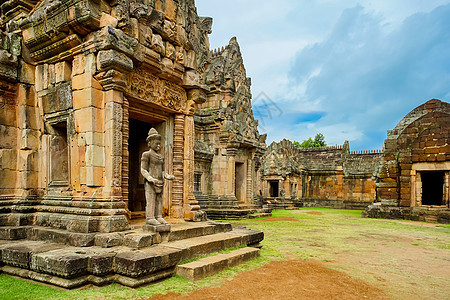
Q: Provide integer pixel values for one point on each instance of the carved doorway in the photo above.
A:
(273, 188)
(136, 146)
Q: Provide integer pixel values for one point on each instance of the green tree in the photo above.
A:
(319, 141)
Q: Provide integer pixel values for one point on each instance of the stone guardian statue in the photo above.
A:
(152, 168)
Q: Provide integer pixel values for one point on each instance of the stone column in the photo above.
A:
(178, 152)
(191, 207)
(249, 197)
(231, 173)
(115, 67)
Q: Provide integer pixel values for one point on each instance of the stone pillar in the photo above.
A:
(249, 197)
(231, 172)
(191, 207)
(114, 67)
(178, 164)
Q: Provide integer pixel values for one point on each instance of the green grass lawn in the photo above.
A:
(339, 238)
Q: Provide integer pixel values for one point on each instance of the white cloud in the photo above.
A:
(377, 61)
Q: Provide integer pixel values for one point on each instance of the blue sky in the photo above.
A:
(348, 69)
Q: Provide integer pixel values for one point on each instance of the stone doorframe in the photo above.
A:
(416, 181)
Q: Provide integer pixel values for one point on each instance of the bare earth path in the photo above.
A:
(287, 280)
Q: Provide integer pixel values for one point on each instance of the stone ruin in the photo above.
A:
(81, 84)
(408, 179)
(228, 146)
(413, 179)
(325, 177)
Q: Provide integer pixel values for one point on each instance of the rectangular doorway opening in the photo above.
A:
(240, 181)
(432, 188)
(136, 146)
(273, 189)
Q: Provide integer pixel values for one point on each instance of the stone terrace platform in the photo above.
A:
(131, 258)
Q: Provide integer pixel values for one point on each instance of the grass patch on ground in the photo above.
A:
(319, 233)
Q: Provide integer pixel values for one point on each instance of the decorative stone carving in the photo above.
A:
(152, 168)
(48, 30)
(147, 87)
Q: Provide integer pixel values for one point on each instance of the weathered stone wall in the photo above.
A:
(86, 68)
(328, 176)
(420, 142)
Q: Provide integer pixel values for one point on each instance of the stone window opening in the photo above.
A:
(198, 182)
(432, 188)
(59, 155)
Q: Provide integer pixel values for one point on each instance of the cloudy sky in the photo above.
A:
(346, 68)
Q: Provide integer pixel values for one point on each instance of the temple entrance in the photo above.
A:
(273, 188)
(432, 188)
(136, 146)
(240, 181)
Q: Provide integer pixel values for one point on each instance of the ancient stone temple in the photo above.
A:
(91, 80)
(415, 167)
(325, 177)
(81, 84)
(228, 146)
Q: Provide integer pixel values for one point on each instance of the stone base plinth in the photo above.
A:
(157, 228)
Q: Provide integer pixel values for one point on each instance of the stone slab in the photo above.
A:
(13, 233)
(65, 263)
(212, 265)
(203, 245)
(136, 282)
(19, 254)
(139, 240)
(186, 231)
(144, 262)
(154, 229)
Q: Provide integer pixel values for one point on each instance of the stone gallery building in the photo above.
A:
(325, 177)
(228, 146)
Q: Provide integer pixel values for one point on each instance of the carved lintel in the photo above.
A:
(147, 87)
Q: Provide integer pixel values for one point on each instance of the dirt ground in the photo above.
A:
(287, 280)
(365, 261)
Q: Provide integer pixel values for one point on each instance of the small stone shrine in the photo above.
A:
(413, 180)
(228, 146)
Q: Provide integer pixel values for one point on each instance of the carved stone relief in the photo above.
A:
(148, 87)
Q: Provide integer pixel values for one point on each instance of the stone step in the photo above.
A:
(13, 233)
(136, 238)
(199, 246)
(214, 264)
(69, 266)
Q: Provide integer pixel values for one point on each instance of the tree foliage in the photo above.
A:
(318, 141)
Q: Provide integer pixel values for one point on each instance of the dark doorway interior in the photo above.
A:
(136, 146)
(432, 188)
(273, 189)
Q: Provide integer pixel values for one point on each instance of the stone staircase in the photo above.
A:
(211, 265)
(219, 208)
(131, 258)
